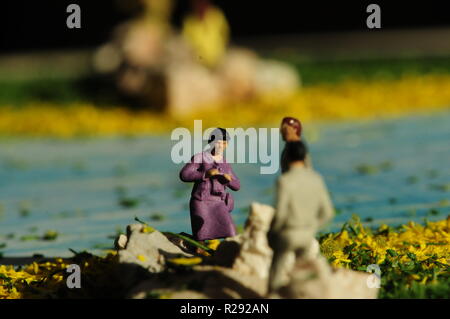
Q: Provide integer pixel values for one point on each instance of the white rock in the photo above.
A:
(121, 242)
(275, 76)
(190, 86)
(237, 73)
(315, 279)
(249, 253)
(255, 255)
(148, 250)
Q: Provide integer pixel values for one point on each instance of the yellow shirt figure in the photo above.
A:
(207, 35)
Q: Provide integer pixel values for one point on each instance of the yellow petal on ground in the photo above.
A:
(185, 261)
(147, 229)
(141, 258)
(213, 244)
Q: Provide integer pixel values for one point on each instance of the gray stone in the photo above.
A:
(144, 253)
(148, 249)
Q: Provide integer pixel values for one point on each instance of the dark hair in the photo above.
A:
(293, 122)
(218, 134)
(295, 151)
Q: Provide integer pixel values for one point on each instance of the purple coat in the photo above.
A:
(210, 204)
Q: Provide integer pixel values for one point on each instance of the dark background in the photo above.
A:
(35, 25)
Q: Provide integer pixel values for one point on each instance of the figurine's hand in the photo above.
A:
(212, 172)
(228, 177)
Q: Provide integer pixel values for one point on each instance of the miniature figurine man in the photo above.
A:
(210, 203)
(303, 206)
(291, 131)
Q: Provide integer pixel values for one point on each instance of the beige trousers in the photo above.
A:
(285, 253)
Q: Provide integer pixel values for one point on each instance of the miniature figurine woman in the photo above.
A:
(210, 203)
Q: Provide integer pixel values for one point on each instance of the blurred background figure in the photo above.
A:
(137, 51)
(207, 32)
(180, 71)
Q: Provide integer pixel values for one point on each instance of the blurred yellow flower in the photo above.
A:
(421, 241)
(345, 100)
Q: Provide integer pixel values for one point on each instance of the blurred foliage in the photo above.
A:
(345, 100)
(333, 71)
(100, 90)
(58, 89)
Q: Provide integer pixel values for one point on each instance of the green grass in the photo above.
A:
(65, 90)
(440, 290)
(31, 90)
(333, 71)
(58, 89)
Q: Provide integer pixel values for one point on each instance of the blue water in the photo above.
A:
(71, 186)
